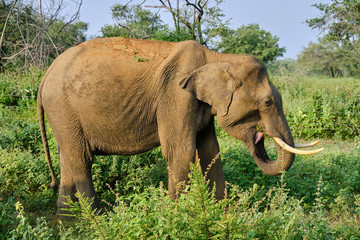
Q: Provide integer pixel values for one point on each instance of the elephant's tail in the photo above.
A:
(54, 181)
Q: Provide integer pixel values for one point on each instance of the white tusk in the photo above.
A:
(305, 145)
(294, 150)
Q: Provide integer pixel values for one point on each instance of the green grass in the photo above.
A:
(319, 198)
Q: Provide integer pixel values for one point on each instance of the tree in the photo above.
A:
(282, 67)
(35, 33)
(132, 21)
(340, 20)
(250, 39)
(323, 57)
(328, 57)
(199, 20)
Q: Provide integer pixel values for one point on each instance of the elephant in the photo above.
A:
(122, 96)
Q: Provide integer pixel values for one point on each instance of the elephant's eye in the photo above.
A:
(269, 102)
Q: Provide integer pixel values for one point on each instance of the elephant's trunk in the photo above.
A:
(284, 158)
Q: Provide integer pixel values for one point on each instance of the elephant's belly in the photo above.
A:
(116, 121)
(123, 140)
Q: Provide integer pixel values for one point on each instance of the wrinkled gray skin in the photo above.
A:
(124, 96)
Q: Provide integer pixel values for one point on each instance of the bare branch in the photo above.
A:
(169, 8)
(194, 5)
(72, 19)
(47, 34)
(199, 8)
(141, 3)
(147, 37)
(128, 2)
(54, 16)
(6, 21)
(16, 54)
(40, 10)
(169, 4)
(158, 7)
(128, 29)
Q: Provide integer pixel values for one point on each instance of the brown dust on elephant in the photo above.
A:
(124, 96)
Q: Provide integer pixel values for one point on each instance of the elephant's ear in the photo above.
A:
(212, 84)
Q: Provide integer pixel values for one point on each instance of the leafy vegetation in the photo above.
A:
(340, 17)
(317, 199)
(321, 107)
(250, 39)
(132, 21)
(34, 33)
(137, 22)
(197, 215)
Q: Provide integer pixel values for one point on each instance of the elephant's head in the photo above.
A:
(247, 106)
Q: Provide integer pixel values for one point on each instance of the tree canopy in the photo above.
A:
(340, 18)
(324, 56)
(201, 21)
(132, 21)
(338, 52)
(251, 39)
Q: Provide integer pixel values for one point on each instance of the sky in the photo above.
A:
(282, 18)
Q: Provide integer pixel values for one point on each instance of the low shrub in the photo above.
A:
(23, 135)
(25, 176)
(24, 230)
(198, 215)
(340, 171)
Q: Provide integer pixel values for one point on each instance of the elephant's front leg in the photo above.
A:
(209, 156)
(179, 149)
(178, 169)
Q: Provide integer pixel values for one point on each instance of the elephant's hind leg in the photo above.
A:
(67, 187)
(75, 164)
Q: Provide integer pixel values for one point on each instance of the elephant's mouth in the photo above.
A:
(258, 137)
(259, 146)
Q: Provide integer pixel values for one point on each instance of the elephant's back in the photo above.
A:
(120, 59)
(148, 49)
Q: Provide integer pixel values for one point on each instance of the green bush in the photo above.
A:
(25, 176)
(340, 171)
(198, 215)
(24, 230)
(24, 135)
(7, 218)
(18, 89)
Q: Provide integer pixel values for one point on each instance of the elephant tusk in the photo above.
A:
(294, 150)
(297, 145)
